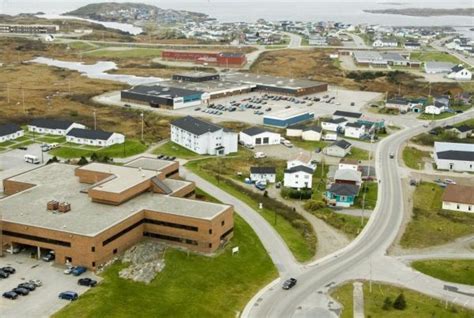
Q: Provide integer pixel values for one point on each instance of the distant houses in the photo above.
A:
(462, 132)
(202, 137)
(311, 133)
(458, 198)
(91, 137)
(10, 132)
(52, 126)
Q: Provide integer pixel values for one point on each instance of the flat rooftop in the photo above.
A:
(267, 80)
(149, 163)
(57, 182)
(211, 87)
(162, 91)
(286, 113)
(196, 74)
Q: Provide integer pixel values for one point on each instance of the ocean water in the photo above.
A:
(304, 10)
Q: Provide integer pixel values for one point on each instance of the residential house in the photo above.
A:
(294, 131)
(400, 104)
(460, 73)
(438, 67)
(202, 137)
(313, 133)
(97, 138)
(266, 174)
(454, 156)
(346, 163)
(301, 159)
(349, 176)
(52, 126)
(350, 116)
(436, 109)
(334, 124)
(462, 132)
(339, 149)
(458, 198)
(355, 130)
(342, 194)
(298, 177)
(256, 136)
(10, 132)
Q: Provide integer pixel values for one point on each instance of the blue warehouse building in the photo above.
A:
(287, 117)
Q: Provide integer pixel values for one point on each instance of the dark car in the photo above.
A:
(21, 291)
(79, 270)
(28, 286)
(8, 269)
(68, 295)
(10, 295)
(459, 112)
(289, 283)
(4, 274)
(23, 148)
(49, 257)
(87, 282)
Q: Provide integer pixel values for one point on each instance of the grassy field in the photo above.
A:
(358, 154)
(434, 56)
(370, 189)
(418, 305)
(308, 145)
(456, 271)
(189, 286)
(302, 245)
(436, 117)
(430, 225)
(350, 225)
(413, 158)
(131, 147)
(124, 53)
(172, 149)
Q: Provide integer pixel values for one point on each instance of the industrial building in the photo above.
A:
(287, 117)
(87, 215)
(454, 156)
(221, 59)
(29, 28)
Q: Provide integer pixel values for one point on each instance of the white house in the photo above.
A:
(458, 198)
(294, 131)
(202, 137)
(454, 156)
(256, 136)
(298, 177)
(349, 164)
(301, 159)
(355, 130)
(312, 133)
(400, 104)
(460, 73)
(267, 174)
(436, 109)
(53, 127)
(334, 124)
(91, 137)
(10, 132)
(349, 116)
(384, 43)
(339, 149)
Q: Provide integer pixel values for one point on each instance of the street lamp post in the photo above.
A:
(141, 115)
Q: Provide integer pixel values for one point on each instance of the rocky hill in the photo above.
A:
(426, 12)
(135, 13)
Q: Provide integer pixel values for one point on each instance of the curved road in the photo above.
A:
(372, 243)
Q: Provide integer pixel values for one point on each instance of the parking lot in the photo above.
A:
(339, 99)
(43, 301)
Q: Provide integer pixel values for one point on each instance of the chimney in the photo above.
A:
(52, 205)
(64, 207)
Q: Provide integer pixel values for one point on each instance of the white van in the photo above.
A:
(259, 155)
(32, 159)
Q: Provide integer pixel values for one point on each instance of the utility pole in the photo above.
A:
(141, 115)
(95, 121)
(23, 98)
(8, 93)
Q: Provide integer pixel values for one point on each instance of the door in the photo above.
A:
(266, 141)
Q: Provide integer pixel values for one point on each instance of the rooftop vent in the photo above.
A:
(64, 207)
(52, 205)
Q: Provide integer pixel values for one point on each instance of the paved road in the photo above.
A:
(358, 41)
(438, 46)
(365, 256)
(295, 40)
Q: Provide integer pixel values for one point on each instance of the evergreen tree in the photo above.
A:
(400, 303)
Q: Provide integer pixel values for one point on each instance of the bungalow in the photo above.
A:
(256, 136)
(454, 156)
(53, 127)
(339, 149)
(295, 131)
(267, 174)
(438, 67)
(355, 130)
(458, 198)
(462, 132)
(98, 138)
(410, 45)
(349, 164)
(436, 109)
(298, 177)
(348, 176)
(342, 194)
(312, 133)
(334, 124)
(460, 73)
(400, 104)
(350, 116)
(10, 132)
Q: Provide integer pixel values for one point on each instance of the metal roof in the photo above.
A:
(195, 126)
(89, 134)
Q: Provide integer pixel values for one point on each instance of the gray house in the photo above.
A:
(339, 149)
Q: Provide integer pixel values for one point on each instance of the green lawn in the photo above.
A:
(430, 225)
(434, 56)
(418, 305)
(189, 286)
(358, 154)
(175, 150)
(308, 145)
(456, 271)
(22, 144)
(350, 225)
(80, 45)
(370, 189)
(51, 139)
(7, 143)
(125, 53)
(435, 117)
(131, 147)
(302, 247)
(413, 158)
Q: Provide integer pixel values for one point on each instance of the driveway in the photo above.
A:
(44, 301)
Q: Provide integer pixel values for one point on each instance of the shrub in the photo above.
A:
(400, 303)
(83, 161)
(387, 303)
(314, 205)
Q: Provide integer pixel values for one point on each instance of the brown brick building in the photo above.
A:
(111, 208)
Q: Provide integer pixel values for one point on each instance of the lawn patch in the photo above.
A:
(413, 158)
(131, 147)
(358, 154)
(456, 271)
(173, 149)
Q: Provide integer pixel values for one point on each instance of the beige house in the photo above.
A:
(459, 198)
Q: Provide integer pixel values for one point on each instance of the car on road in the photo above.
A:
(289, 283)
(261, 185)
(68, 295)
(21, 291)
(89, 282)
(392, 155)
(28, 286)
(10, 295)
(78, 270)
(8, 269)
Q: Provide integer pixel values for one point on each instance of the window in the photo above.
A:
(210, 231)
(210, 245)
(222, 223)
(37, 238)
(93, 249)
(458, 207)
(115, 251)
(93, 264)
(170, 238)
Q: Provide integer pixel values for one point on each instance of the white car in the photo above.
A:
(259, 155)
(287, 143)
(69, 270)
(449, 181)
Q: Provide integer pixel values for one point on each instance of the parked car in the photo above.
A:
(69, 270)
(14, 250)
(78, 270)
(287, 143)
(49, 257)
(68, 295)
(10, 295)
(449, 181)
(23, 148)
(259, 155)
(260, 185)
(21, 291)
(289, 283)
(4, 274)
(8, 269)
(87, 282)
(28, 286)
(36, 282)
(392, 155)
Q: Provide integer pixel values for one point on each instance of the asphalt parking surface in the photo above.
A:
(43, 301)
